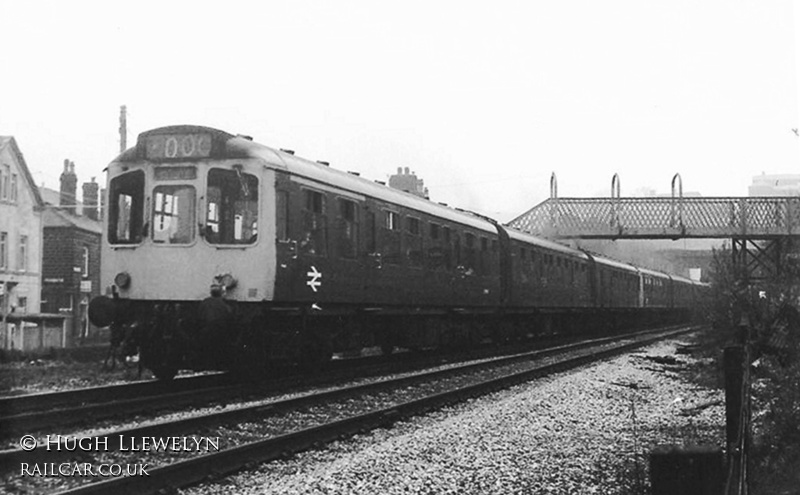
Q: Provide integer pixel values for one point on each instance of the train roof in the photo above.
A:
(245, 147)
(354, 184)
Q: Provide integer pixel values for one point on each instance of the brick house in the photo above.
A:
(20, 242)
(71, 259)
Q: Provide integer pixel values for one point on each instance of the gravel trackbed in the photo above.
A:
(580, 432)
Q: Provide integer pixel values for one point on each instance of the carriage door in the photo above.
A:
(303, 253)
(286, 247)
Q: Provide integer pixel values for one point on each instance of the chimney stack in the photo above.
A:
(90, 190)
(69, 186)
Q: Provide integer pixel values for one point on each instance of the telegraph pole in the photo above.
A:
(123, 128)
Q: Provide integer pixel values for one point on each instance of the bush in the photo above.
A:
(770, 308)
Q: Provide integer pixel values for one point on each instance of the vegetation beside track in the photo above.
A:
(772, 308)
(59, 369)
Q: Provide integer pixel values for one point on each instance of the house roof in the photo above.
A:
(11, 143)
(53, 217)
(53, 197)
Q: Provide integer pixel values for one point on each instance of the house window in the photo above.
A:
(14, 188)
(3, 249)
(6, 176)
(22, 261)
(85, 262)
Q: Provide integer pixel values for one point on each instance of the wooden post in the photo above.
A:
(733, 360)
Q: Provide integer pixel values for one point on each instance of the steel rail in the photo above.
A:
(20, 404)
(39, 412)
(213, 465)
(112, 440)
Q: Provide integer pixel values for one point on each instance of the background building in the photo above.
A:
(407, 181)
(20, 243)
(71, 260)
(775, 185)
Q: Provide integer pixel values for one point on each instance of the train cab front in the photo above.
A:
(181, 244)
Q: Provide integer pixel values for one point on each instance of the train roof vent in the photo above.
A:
(322, 162)
(443, 204)
(357, 174)
(381, 182)
(291, 152)
(249, 138)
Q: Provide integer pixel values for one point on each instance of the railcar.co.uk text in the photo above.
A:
(64, 443)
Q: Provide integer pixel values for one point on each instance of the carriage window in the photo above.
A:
(469, 240)
(438, 257)
(315, 224)
(434, 231)
(348, 241)
(392, 221)
(470, 257)
(282, 215)
(457, 250)
(483, 257)
(390, 238)
(414, 242)
(231, 207)
(412, 225)
(371, 234)
(126, 200)
(173, 214)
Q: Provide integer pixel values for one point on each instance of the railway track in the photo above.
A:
(34, 412)
(345, 411)
(43, 412)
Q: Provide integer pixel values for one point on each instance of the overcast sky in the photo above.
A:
(483, 100)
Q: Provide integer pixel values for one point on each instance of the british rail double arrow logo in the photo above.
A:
(315, 276)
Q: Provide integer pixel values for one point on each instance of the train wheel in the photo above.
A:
(386, 341)
(165, 373)
(317, 351)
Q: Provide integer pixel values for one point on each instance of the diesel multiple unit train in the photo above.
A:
(307, 261)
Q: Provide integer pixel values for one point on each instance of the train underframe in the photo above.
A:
(170, 335)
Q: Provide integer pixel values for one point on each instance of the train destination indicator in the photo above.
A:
(175, 173)
(176, 146)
